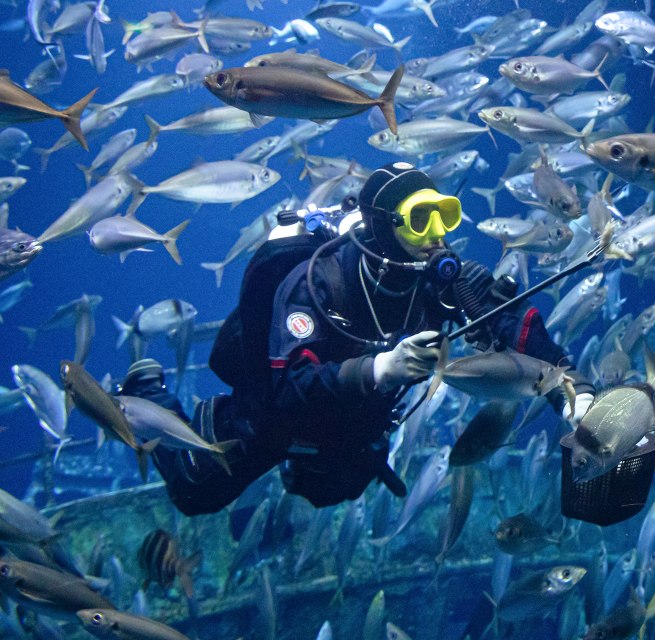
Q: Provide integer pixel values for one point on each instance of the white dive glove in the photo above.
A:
(582, 403)
(411, 359)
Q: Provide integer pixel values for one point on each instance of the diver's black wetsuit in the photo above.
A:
(318, 410)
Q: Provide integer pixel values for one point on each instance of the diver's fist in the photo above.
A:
(412, 359)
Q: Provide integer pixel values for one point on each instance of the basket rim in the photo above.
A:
(647, 447)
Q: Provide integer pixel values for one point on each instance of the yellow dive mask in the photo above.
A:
(427, 216)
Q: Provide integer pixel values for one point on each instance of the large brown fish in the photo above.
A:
(93, 401)
(18, 105)
(294, 93)
(47, 591)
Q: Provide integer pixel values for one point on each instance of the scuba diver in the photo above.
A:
(319, 354)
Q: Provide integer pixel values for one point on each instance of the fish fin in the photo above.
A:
(154, 126)
(202, 39)
(387, 99)
(586, 132)
(71, 118)
(171, 243)
(45, 157)
(224, 445)
(142, 456)
(124, 329)
(100, 438)
(258, 120)
(217, 268)
(598, 74)
(4, 216)
(184, 569)
(31, 334)
(437, 376)
(59, 447)
(88, 174)
(489, 195)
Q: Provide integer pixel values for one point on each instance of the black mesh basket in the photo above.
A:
(613, 497)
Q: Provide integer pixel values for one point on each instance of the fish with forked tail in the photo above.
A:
(93, 401)
(294, 93)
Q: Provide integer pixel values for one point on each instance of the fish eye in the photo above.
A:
(262, 63)
(498, 114)
(566, 573)
(383, 137)
(97, 618)
(5, 570)
(617, 150)
(266, 175)
(518, 66)
(20, 246)
(221, 78)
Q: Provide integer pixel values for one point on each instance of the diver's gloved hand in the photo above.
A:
(411, 359)
(582, 403)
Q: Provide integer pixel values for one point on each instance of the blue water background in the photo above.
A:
(68, 268)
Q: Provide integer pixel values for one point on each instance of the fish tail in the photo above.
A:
(217, 268)
(124, 331)
(71, 118)
(489, 195)
(401, 43)
(586, 132)
(62, 442)
(154, 126)
(186, 566)
(387, 99)
(437, 376)
(598, 74)
(88, 174)
(30, 332)
(171, 243)
(224, 445)
(45, 156)
(129, 29)
(142, 452)
(202, 38)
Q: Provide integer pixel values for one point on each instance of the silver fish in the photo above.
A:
(545, 75)
(109, 623)
(631, 27)
(530, 125)
(99, 202)
(615, 422)
(124, 234)
(224, 181)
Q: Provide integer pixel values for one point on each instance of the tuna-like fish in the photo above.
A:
(108, 623)
(521, 535)
(55, 593)
(545, 75)
(93, 401)
(224, 181)
(293, 93)
(149, 420)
